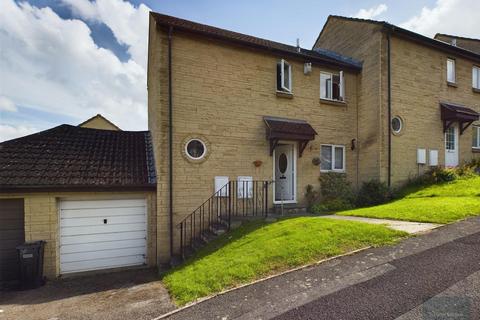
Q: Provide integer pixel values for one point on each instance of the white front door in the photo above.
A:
(102, 234)
(451, 146)
(284, 173)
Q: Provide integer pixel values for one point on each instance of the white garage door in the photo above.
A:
(101, 234)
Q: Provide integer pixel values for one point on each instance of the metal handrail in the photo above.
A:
(234, 199)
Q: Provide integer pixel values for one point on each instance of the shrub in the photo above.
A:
(438, 175)
(373, 192)
(330, 206)
(335, 186)
(311, 196)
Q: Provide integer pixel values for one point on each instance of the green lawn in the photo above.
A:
(442, 203)
(258, 249)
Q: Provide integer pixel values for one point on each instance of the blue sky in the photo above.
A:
(64, 61)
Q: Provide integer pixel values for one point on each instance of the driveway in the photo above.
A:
(134, 294)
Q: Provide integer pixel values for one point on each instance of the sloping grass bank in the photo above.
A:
(441, 203)
(258, 249)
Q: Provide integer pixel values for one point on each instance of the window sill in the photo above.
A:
(476, 150)
(452, 84)
(284, 94)
(333, 102)
(332, 171)
(476, 90)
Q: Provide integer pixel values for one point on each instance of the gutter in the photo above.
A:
(170, 139)
(389, 88)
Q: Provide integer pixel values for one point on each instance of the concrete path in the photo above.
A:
(378, 283)
(406, 226)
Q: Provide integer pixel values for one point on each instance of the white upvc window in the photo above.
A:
(284, 76)
(476, 137)
(332, 158)
(476, 77)
(451, 70)
(332, 86)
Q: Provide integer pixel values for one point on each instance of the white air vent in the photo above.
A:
(421, 156)
(433, 158)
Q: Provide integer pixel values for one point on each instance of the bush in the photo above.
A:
(438, 175)
(311, 196)
(335, 186)
(373, 192)
(331, 206)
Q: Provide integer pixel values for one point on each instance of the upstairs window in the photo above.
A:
(451, 70)
(476, 77)
(476, 137)
(332, 86)
(284, 76)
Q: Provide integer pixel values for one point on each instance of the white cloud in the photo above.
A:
(7, 105)
(457, 17)
(53, 65)
(128, 24)
(8, 132)
(372, 12)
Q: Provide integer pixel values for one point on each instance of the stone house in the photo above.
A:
(238, 126)
(369, 100)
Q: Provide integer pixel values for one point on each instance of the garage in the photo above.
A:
(12, 234)
(102, 234)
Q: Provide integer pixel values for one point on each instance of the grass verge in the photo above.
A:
(441, 203)
(258, 249)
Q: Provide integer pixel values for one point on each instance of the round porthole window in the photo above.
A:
(195, 149)
(397, 125)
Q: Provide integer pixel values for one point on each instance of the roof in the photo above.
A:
(412, 36)
(282, 128)
(462, 42)
(456, 111)
(86, 123)
(257, 43)
(454, 37)
(75, 158)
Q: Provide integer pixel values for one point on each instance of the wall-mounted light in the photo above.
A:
(353, 144)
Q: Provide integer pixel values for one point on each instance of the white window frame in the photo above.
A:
(454, 74)
(341, 85)
(476, 72)
(204, 149)
(284, 63)
(334, 146)
(476, 128)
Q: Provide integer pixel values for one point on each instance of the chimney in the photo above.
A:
(298, 45)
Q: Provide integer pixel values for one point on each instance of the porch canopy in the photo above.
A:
(452, 113)
(288, 129)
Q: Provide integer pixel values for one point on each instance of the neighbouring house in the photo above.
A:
(462, 42)
(370, 100)
(89, 193)
(419, 98)
(99, 122)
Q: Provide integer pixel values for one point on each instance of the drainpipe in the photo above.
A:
(170, 139)
(389, 88)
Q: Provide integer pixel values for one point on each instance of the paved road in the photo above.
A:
(413, 280)
(436, 270)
